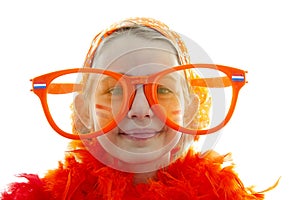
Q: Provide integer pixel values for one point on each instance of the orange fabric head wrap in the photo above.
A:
(148, 22)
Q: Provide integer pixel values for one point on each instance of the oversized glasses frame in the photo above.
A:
(233, 77)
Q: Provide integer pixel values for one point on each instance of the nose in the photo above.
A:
(140, 108)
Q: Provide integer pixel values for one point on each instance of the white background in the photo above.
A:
(262, 37)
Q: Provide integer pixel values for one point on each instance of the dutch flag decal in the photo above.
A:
(238, 77)
(39, 85)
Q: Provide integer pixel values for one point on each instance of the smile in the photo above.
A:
(140, 134)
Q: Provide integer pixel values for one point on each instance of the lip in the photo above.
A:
(140, 134)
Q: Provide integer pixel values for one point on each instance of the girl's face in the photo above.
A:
(140, 137)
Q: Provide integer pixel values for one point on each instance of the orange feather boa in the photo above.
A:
(195, 176)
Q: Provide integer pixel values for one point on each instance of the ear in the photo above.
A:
(191, 109)
(82, 121)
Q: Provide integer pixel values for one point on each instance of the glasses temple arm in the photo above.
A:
(217, 82)
(63, 88)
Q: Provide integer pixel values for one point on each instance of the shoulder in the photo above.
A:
(208, 175)
(31, 189)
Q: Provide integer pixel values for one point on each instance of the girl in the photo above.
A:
(138, 106)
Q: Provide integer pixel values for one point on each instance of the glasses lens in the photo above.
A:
(84, 102)
(195, 99)
(107, 96)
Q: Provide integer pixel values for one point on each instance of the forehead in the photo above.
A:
(129, 53)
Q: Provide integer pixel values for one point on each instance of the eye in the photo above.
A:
(116, 91)
(163, 90)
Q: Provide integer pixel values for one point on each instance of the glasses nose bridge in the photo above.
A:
(136, 85)
(139, 107)
(138, 80)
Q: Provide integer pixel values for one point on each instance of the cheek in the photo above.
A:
(106, 112)
(170, 135)
(113, 135)
(173, 108)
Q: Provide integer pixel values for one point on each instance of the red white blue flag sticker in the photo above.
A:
(238, 77)
(39, 85)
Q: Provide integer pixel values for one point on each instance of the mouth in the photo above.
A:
(140, 134)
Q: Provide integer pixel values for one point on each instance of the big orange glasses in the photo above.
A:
(194, 99)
